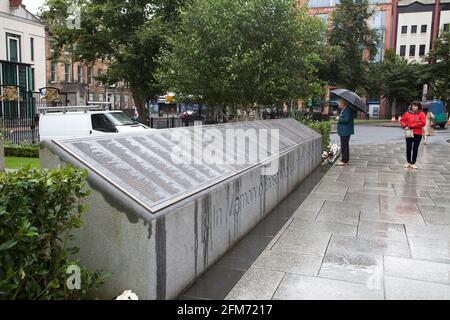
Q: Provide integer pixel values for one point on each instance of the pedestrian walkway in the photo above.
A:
(372, 230)
(218, 280)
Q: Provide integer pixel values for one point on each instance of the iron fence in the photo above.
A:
(20, 130)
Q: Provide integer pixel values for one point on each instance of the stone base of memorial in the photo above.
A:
(156, 225)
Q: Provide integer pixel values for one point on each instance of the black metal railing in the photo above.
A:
(20, 130)
(169, 121)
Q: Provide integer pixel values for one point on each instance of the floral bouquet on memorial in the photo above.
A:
(331, 154)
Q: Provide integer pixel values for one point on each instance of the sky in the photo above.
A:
(33, 5)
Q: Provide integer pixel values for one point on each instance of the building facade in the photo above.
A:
(22, 58)
(407, 26)
(77, 82)
(381, 19)
(417, 24)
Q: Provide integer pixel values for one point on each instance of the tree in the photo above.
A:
(438, 71)
(128, 35)
(358, 43)
(243, 53)
(396, 80)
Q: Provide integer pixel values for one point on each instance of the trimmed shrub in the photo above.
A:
(24, 150)
(38, 211)
(21, 152)
(324, 128)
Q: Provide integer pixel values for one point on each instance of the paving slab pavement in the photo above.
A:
(371, 230)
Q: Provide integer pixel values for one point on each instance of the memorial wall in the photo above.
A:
(169, 203)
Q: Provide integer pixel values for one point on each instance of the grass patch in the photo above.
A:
(17, 163)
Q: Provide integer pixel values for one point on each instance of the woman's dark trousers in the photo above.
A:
(412, 148)
(345, 148)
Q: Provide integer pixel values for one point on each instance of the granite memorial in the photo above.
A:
(156, 224)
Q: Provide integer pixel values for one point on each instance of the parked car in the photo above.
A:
(438, 109)
(65, 122)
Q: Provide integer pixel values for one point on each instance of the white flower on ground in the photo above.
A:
(128, 295)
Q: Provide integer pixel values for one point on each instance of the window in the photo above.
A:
(412, 51)
(91, 97)
(404, 29)
(53, 72)
(422, 50)
(13, 47)
(414, 29)
(101, 123)
(117, 102)
(119, 119)
(89, 76)
(100, 73)
(447, 27)
(126, 101)
(67, 73)
(80, 74)
(402, 51)
(322, 3)
(32, 48)
(423, 29)
(33, 79)
(323, 16)
(100, 98)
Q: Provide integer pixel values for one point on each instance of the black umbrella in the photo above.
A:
(355, 101)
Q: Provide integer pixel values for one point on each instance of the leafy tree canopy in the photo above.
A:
(357, 42)
(127, 34)
(243, 53)
(396, 79)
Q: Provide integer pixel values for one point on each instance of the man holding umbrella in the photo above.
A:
(349, 103)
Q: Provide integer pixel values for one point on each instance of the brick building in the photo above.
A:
(22, 59)
(407, 26)
(77, 81)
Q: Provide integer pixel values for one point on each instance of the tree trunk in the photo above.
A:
(139, 102)
(394, 107)
(211, 114)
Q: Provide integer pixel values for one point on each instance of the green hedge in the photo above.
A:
(22, 151)
(38, 211)
(324, 128)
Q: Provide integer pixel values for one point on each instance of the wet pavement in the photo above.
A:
(370, 134)
(218, 280)
(371, 230)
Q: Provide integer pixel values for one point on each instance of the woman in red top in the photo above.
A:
(414, 119)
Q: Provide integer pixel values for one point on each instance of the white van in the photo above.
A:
(69, 122)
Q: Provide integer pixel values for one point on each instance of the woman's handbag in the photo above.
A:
(409, 133)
